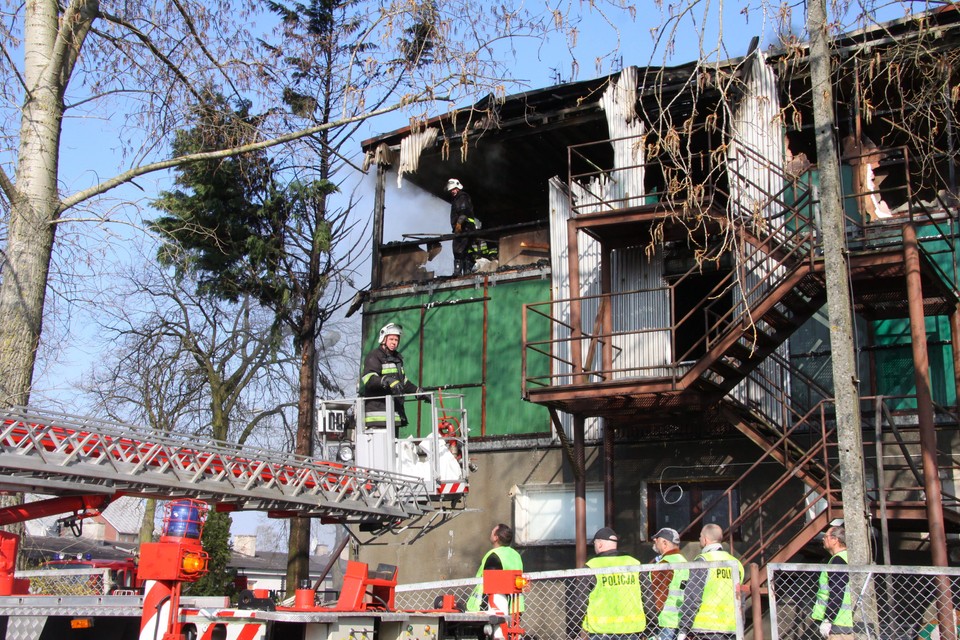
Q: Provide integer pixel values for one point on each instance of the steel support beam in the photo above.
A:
(580, 489)
(921, 375)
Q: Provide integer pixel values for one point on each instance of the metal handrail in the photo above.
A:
(793, 231)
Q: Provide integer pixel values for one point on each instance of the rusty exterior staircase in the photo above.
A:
(778, 284)
(737, 337)
(797, 504)
(769, 309)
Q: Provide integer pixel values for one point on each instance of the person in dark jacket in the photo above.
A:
(833, 609)
(382, 376)
(462, 220)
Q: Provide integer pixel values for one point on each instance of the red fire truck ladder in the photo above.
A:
(61, 454)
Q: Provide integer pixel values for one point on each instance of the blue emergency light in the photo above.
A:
(185, 520)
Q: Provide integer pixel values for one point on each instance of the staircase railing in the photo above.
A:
(807, 452)
(753, 521)
(895, 470)
(771, 252)
(778, 247)
(799, 442)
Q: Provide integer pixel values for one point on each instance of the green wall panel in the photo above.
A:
(895, 363)
(894, 360)
(449, 325)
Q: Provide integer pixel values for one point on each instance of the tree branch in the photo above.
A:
(14, 68)
(191, 27)
(76, 23)
(9, 189)
(129, 175)
(117, 20)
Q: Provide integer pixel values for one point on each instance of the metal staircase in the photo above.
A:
(778, 283)
(804, 497)
(61, 454)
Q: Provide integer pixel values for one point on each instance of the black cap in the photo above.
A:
(668, 534)
(605, 533)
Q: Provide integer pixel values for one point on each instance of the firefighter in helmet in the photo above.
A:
(462, 220)
(383, 376)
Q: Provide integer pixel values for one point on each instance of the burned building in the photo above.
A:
(649, 344)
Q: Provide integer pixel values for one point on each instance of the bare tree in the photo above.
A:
(188, 363)
(146, 63)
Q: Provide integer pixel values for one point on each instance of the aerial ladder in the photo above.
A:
(85, 463)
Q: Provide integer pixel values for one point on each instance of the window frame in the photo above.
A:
(522, 519)
(696, 489)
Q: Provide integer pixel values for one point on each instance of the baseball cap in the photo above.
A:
(605, 533)
(668, 534)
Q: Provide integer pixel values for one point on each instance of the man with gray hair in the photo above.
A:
(710, 601)
(833, 609)
(668, 584)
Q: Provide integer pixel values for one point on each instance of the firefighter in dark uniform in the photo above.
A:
(462, 220)
(382, 376)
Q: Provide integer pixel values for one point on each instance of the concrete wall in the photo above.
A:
(454, 550)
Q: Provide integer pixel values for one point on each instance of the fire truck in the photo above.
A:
(85, 463)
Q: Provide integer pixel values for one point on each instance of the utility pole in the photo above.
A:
(839, 308)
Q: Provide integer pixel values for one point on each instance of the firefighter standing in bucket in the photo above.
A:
(382, 376)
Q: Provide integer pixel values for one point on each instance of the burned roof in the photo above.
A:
(514, 145)
(505, 150)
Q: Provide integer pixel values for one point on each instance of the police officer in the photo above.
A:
(382, 376)
(668, 584)
(462, 220)
(709, 607)
(833, 609)
(615, 605)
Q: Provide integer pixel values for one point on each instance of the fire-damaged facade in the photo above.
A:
(645, 341)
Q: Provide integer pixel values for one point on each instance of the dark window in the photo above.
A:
(679, 504)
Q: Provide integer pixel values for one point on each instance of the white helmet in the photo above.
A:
(453, 183)
(390, 329)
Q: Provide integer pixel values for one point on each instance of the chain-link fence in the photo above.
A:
(889, 603)
(555, 604)
(69, 582)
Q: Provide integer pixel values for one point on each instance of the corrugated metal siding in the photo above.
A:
(757, 152)
(625, 186)
(641, 346)
(643, 311)
(560, 282)
(410, 149)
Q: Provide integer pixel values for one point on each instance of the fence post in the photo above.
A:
(756, 602)
(772, 599)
